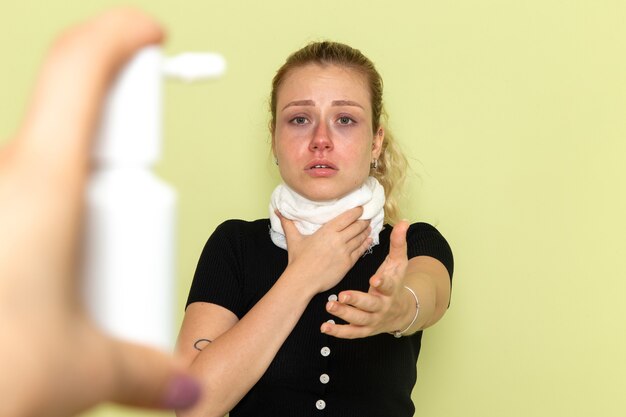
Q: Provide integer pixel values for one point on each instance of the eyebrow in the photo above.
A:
(312, 103)
(346, 103)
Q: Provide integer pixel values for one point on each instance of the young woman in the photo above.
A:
(304, 313)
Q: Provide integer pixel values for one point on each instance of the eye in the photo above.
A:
(299, 120)
(345, 120)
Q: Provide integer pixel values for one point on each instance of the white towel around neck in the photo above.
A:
(309, 215)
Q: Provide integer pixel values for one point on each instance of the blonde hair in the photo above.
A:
(392, 163)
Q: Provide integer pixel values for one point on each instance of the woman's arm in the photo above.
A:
(430, 281)
(242, 350)
(388, 306)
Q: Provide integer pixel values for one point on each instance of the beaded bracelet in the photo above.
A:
(399, 333)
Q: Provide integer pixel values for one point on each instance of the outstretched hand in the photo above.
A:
(53, 360)
(387, 304)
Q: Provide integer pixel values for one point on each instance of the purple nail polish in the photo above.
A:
(182, 392)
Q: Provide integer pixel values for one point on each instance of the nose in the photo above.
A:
(321, 139)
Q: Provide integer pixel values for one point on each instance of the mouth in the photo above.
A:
(321, 165)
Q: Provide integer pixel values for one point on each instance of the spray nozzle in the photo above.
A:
(130, 130)
(192, 66)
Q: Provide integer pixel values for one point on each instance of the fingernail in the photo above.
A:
(323, 328)
(330, 306)
(182, 392)
(344, 298)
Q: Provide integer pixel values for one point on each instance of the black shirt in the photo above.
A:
(314, 374)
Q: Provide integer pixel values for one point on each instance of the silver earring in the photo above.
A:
(374, 164)
(276, 160)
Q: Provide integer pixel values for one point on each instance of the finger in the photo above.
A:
(360, 250)
(397, 245)
(145, 377)
(349, 314)
(356, 228)
(71, 86)
(360, 300)
(357, 241)
(346, 218)
(346, 331)
(384, 285)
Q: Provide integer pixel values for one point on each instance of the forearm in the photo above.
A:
(431, 285)
(230, 365)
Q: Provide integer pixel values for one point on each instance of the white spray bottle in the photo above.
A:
(130, 242)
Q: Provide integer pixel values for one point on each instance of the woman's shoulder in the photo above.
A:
(244, 225)
(423, 227)
(237, 233)
(425, 239)
(235, 229)
(417, 229)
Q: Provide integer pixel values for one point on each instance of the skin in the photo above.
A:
(55, 361)
(324, 116)
(312, 129)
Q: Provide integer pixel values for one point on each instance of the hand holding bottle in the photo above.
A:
(54, 361)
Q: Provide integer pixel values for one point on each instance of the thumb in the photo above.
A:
(291, 231)
(397, 246)
(146, 377)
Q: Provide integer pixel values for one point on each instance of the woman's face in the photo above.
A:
(323, 138)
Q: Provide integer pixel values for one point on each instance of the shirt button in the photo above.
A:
(325, 351)
(332, 297)
(324, 378)
(320, 404)
(331, 321)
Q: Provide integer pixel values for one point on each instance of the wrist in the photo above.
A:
(300, 281)
(414, 310)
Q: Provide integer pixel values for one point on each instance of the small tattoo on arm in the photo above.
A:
(201, 343)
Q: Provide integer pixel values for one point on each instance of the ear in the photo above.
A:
(273, 136)
(377, 143)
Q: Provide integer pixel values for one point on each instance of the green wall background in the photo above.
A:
(512, 114)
